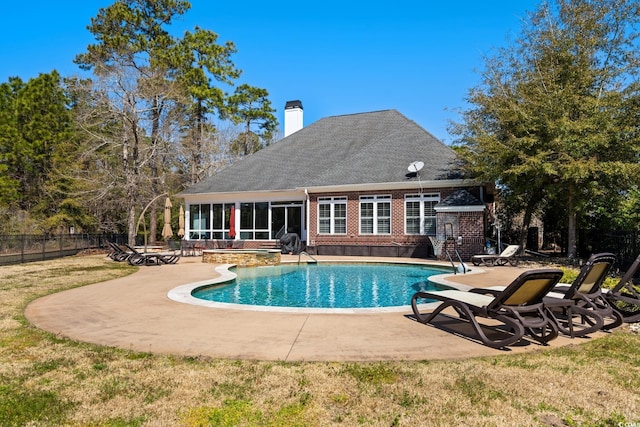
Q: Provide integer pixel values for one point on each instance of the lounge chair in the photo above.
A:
(589, 301)
(151, 258)
(579, 308)
(117, 253)
(139, 258)
(508, 256)
(624, 297)
(519, 307)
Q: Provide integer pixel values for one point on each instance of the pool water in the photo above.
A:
(325, 285)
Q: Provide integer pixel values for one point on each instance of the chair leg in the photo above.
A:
(627, 305)
(516, 330)
(617, 320)
(590, 321)
(597, 303)
(545, 333)
(537, 323)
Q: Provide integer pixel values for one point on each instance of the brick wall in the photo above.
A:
(468, 233)
(470, 225)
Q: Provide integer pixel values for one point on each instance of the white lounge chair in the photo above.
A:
(508, 256)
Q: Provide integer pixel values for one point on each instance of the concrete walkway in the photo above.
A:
(134, 313)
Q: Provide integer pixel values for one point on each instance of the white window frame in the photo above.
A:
(422, 199)
(332, 202)
(375, 201)
(201, 230)
(250, 232)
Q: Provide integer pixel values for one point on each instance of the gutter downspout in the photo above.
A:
(306, 193)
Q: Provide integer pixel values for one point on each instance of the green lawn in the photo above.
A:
(46, 380)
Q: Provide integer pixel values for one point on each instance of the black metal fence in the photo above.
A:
(16, 249)
(625, 244)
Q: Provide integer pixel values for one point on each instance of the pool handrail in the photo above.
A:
(307, 254)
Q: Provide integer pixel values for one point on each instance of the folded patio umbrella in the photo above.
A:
(181, 222)
(167, 232)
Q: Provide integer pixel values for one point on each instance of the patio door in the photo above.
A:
(286, 219)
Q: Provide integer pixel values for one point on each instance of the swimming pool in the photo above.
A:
(324, 285)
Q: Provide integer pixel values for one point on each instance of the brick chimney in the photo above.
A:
(292, 117)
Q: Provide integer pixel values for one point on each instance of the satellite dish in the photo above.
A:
(415, 166)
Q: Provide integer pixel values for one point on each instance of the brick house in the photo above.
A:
(368, 184)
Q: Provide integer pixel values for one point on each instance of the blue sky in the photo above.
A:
(419, 57)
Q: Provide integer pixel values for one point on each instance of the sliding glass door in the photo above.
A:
(286, 218)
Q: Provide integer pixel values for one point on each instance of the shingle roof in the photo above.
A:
(460, 197)
(363, 148)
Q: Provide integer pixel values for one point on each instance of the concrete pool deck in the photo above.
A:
(134, 313)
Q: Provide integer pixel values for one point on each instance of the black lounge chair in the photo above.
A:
(117, 253)
(589, 303)
(508, 256)
(624, 297)
(151, 258)
(579, 309)
(139, 258)
(519, 307)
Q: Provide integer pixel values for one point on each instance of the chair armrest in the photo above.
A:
(485, 291)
